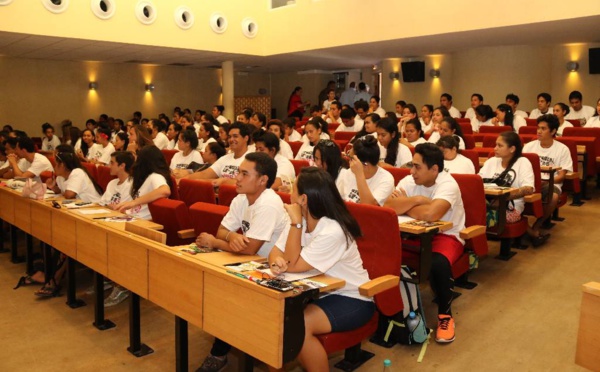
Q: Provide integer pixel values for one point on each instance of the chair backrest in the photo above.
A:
(168, 154)
(295, 146)
(104, 176)
(174, 216)
(494, 129)
(398, 173)
(528, 130)
(299, 164)
(466, 127)
(207, 217)
(341, 144)
(194, 191)
(332, 127)
(473, 156)
(92, 170)
(531, 122)
(174, 188)
(582, 132)
(489, 140)
(226, 194)
(534, 159)
(527, 137)
(473, 197)
(285, 197)
(469, 140)
(576, 123)
(572, 146)
(380, 256)
(52, 160)
(345, 136)
(45, 175)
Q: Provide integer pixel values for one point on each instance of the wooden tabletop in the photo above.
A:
(420, 227)
(497, 190)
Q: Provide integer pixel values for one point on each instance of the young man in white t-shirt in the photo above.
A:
(513, 101)
(217, 113)
(544, 103)
(269, 144)
(432, 194)
(258, 211)
(38, 163)
(333, 115)
(349, 123)
(554, 154)
(446, 101)
(104, 149)
(224, 170)
(476, 100)
(119, 189)
(578, 110)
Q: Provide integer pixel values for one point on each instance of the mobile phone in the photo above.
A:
(55, 204)
(82, 204)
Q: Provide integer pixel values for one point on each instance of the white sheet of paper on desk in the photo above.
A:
(75, 206)
(404, 218)
(94, 211)
(292, 277)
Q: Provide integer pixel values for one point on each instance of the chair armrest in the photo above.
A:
(378, 285)
(472, 231)
(186, 234)
(571, 176)
(533, 197)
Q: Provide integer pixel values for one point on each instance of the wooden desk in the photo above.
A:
(588, 336)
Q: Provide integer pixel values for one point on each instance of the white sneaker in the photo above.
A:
(118, 295)
(92, 289)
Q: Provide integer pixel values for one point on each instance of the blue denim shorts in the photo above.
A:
(345, 313)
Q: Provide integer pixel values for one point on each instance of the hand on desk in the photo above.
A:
(123, 206)
(279, 265)
(205, 240)
(238, 242)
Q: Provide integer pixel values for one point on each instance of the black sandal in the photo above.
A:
(50, 289)
(26, 280)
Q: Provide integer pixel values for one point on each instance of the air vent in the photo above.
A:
(145, 12)
(184, 18)
(54, 6)
(104, 9)
(249, 28)
(218, 23)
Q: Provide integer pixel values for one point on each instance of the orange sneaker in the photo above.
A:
(445, 329)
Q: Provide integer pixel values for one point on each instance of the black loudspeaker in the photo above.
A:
(594, 55)
(413, 71)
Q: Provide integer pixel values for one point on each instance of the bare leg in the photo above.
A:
(312, 355)
(548, 210)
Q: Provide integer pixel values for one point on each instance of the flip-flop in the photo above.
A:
(26, 280)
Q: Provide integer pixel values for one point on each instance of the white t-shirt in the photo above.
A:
(337, 121)
(222, 119)
(305, 152)
(81, 184)
(518, 122)
(285, 150)
(470, 114)
(419, 141)
(354, 128)
(424, 127)
(557, 155)
(435, 136)
(161, 141)
(454, 112)
(521, 113)
(295, 136)
(77, 145)
(116, 193)
(173, 145)
(202, 145)
(586, 112)
(264, 220)
(39, 164)
(327, 104)
(536, 113)
(562, 127)
(403, 155)
(445, 188)
(285, 169)
(94, 151)
(380, 111)
(322, 136)
(227, 166)
(153, 182)
(476, 124)
(50, 145)
(521, 175)
(179, 161)
(326, 249)
(381, 185)
(593, 122)
(460, 164)
(103, 154)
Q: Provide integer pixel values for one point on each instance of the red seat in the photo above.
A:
(295, 146)
(528, 130)
(226, 194)
(469, 141)
(174, 216)
(285, 197)
(495, 129)
(299, 164)
(92, 170)
(168, 154)
(52, 160)
(398, 173)
(341, 144)
(345, 136)
(571, 183)
(104, 176)
(194, 191)
(525, 138)
(332, 127)
(586, 132)
(489, 141)
(174, 189)
(466, 127)
(473, 156)
(576, 123)
(207, 217)
(531, 122)
(46, 175)
(380, 257)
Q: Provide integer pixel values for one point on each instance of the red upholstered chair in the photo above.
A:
(525, 138)
(45, 175)
(295, 146)
(531, 122)
(466, 127)
(168, 154)
(493, 129)
(586, 132)
(194, 191)
(381, 258)
(489, 141)
(576, 123)
(104, 176)
(285, 197)
(473, 156)
(345, 136)
(398, 173)
(528, 130)
(37, 142)
(341, 144)
(174, 189)
(572, 182)
(174, 216)
(207, 217)
(299, 164)
(92, 170)
(469, 141)
(226, 194)
(52, 160)
(332, 127)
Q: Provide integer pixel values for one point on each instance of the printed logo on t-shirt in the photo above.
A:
(245, 226)
(181, 166)
(306, 155)
(353, 195)
(137, 208)
(115, 198)
(546, 161)
(229, 171)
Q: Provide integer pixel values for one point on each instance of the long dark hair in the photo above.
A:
(391, 127)
(508, 114)
(331, 156)
(417, 123)
(454, 126)
(71, 162)
(143, 138)
(149, 160)
(74, 135)
(208, 127)
(84, 146)
(375, 118)
(324, 200)
(125, 138)
(512, 139)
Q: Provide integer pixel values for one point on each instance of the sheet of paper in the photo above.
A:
(94, 211)
(292, 277)
(75, 206)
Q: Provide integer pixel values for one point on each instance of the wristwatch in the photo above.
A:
(296, 225)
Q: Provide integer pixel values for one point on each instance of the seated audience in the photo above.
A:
(454, 162)
(543, 106)
(276, 127)
(119, 189)
(313, 132)
(476, 100)
(72, 180)
(413, 132)
(513, 101)
(49, 141)
(269, 144)
(578, 110)
(392, 153)
(159, 138)
(594, 121)
(446, 102)
(173, 136)
(185, 161)
(36, 163)
(561, 110)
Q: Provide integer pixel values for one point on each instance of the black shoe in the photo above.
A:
(539, 240)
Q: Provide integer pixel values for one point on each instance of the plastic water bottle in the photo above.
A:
(387, 365)
(416, 327)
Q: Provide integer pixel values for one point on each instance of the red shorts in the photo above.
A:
(447, 245)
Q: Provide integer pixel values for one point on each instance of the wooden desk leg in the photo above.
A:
(29, 255)
(135, 344)
(181, 345)
(48, 269)
(14, 257)
(72, 299)
(247, 363)
(2, 249)
(99, 321)
(425, 260)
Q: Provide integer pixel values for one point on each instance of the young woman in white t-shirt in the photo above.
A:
(121, 141)
(594, 121)
(426, 115)
(328, 156)
(87, 147)
(206, 135)
(408, 112)
(173, 136)
(504, 116)
(276, 127)
(560, 110)
(392, 152)
(188, 142)
(483, 117)
(413, 133)
(72, 180)
(322, 236)
(449, 127)
(453, 161)
(313, 130)
(50, 141)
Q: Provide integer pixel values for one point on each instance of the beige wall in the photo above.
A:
(51, 91)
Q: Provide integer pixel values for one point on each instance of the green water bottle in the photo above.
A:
(387, 365)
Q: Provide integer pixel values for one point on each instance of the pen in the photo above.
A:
(100, 218)
(240, 275)
(273, 264)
